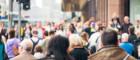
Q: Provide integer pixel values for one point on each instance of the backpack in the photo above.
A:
(34, 45)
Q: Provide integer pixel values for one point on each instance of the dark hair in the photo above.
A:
(58, 46)
(72, 28)
(52, 32)
(35, 32)
(39, 49)
(46, 33)
(109, 37)
(11, 33)
(101, 28)
(116, 18)
(131, 30)
(61, 27)
(78, 20)
(28, 49)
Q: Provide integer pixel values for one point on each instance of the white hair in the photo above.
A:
(125, 35)
(26, 45)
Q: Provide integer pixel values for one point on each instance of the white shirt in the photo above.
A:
(93, 39)
(38, 55)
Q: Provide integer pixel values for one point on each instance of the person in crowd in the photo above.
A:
(87, 28)
(126, 25)
(116, 24)
(60, 30)
(39, 53)
(2, 48)
(16, 29)
(132, 35)
(137, 47)
(12, 44)
(46, 35)
(27, 31)
(137, 27)
(25, 50)
(110, 49)
(47, 26)
(52, 24)
(93, 40)
(79, 24)
(77, 49)
(57, 49)
(71, 29)
(35, 40)
(125, 45)
(40, 29)
(46, 40)
(3, 31)
(85, 38)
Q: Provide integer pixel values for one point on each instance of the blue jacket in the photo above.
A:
(128, 47)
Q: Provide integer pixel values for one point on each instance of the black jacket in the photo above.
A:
(125, 27)
(80, 54)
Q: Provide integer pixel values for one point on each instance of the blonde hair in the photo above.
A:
(26, 45)
(75, 40)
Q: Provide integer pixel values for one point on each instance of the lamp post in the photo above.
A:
(19, 20)
(10, 17)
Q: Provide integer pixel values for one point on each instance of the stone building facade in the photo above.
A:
(105, 10)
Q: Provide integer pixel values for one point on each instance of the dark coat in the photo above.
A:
(52, 57)
(80, 54)
(125, 27)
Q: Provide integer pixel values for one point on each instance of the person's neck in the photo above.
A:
(127, 23)
(34, 37)
(78, 47)
(24, 52)
(125, 42)
(107, 46)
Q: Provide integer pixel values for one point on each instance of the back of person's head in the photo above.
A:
(38, 49)
(109, 37)
(131, 30)
(75, 41)
(11, 33)
(84, 36)
(51, 32)
(46, 33)
(25, 45)
(116, 19)
(125, 37)
(58, 46)
(99, 26)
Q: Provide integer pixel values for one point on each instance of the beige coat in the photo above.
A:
(24, 56)
(111, 53)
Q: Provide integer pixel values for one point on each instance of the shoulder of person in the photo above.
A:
(17, 57)
(131, 58)
(107, 51)
(70, 58)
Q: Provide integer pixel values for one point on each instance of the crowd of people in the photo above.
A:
(74, 40)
